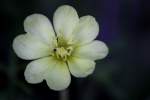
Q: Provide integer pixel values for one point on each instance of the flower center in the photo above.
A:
(62, 53)
(63, 48)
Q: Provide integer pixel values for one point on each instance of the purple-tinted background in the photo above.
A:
(123, 75)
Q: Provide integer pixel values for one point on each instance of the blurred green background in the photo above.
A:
(123, 75)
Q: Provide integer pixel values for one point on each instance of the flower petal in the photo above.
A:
(94, 50)
(40, 26)
(87, 30)
(29, 47)
(59, 77)
(65, 19)
(81, 67)
(35, 70)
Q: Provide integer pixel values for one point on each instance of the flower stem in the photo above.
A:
(64, 95)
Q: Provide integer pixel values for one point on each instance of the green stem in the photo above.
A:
(64, 95)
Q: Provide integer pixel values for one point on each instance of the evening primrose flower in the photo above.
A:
(71, 48)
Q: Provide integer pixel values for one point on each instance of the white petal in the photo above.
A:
(87, 30)
(40, 26)
(94, 50)
(81, 67)
(65, 19)
(36, 70)
(28, 47)
(59, 77)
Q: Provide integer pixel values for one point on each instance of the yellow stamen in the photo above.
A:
(62, 53)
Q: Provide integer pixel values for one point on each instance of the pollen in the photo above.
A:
(62, 53)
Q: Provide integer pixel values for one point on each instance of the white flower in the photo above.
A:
(70, 49)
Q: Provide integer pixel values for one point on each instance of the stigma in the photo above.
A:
(62, 53)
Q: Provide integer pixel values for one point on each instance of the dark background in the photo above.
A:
(123, 75)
